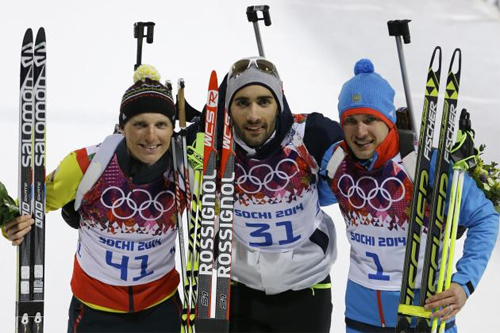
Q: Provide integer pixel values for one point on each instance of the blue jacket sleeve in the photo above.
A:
(478, 215)
(326, 196)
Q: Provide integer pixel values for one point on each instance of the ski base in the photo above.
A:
(29, 317)
(212, 325)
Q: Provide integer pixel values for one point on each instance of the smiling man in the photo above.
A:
(284, 244)
(372, 183)
(364, 133)
(254, 113)
(120, 196)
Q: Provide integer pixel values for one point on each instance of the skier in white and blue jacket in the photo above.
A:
(373, 182)
(284, 245)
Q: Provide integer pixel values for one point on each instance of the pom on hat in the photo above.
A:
(364, 66)
(147, 95)
(144, 72)
(367, 90)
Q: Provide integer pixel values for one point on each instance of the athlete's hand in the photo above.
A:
(451, 301)
(16, 229)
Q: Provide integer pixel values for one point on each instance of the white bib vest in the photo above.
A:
(127, 231)
(276, 206)
(375, 206)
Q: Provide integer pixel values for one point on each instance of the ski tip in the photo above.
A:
(28, 36)
(213, 85)
(435, 64)
(40, 35)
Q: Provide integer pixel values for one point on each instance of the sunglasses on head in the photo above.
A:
(261, 64)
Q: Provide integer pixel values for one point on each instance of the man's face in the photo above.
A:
(254, 111)
(364, 133)
(148, 136)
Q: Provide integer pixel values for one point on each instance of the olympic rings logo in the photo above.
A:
(355, 190)
(134, 207)
(253, 176)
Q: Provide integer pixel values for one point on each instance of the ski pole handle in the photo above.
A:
(182, 104)
(400, 30)
(252, 16)
(139, 28)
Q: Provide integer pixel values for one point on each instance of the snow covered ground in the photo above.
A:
(315, 44)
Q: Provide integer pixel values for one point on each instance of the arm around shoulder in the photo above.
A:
(320, 134)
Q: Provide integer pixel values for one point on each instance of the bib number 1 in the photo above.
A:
(379, 275)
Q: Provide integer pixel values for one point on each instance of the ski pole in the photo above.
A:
(453, 237)
(180, 230)
(450, 236)
(183, 133)
(252, 16)
(188, 305)
(139, 28)
(400, 30)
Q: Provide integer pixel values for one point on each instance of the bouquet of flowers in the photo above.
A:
(8, 207)
(487, 177)
(467, 156)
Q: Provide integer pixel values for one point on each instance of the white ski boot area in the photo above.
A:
(91, 53)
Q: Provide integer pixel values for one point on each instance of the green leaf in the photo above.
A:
(8, 207)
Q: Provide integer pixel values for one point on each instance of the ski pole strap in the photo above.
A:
(464, 153)
(362, 327)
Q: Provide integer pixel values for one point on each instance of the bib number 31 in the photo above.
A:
(263, 231)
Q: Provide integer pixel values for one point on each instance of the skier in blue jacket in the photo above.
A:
(373, 182)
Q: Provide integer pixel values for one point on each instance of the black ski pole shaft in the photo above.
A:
(141, 30)
(401, 31)
(253, 16)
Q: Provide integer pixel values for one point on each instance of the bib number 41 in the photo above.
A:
(123, 266)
